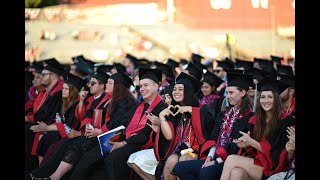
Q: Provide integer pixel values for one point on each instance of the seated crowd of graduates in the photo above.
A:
(183, 120)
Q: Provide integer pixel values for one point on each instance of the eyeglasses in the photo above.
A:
(38, 77)
(43, 74)
(92, 83)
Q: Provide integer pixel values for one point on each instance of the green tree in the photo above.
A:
(40, 3)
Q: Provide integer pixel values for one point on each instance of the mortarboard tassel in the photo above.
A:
(255, 99)
(225, 94)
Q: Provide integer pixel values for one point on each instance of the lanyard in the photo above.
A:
(290, 168)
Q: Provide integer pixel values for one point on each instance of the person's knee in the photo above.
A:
(230, 159)
(171, 162)
(185, 157)
(237, 173)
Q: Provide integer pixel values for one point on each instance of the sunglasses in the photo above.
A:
(92, 83)
(216, 71)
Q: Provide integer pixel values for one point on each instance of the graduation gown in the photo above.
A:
(44, 109)
(202, 122)
(138, 137)
(51, 137)
(272, 159)
(50, 165)
(118, 117)
(241, 124)
(277, 150)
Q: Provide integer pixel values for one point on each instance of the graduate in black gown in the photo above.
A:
(71, 87)
(55, 131)
(190, 127)
(44, 108)
(138, 136)
(208, 94)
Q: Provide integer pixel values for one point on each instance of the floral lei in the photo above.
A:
(228, 121)
(207, 100)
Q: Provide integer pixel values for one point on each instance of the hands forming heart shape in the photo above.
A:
(174, 110)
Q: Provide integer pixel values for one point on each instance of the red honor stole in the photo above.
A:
(136, 124)
(92, 120)
(41, 98)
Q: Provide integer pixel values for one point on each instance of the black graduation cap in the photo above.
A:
(121, 77)
(256, 73)
(266, 65)
(142, 63)
(235, 71)
(51, 61)
(119, 67)
(184, 78)
(75, 58)
(286, 81)
(131, 57)
(268, 84)
(106, 68)
(285, 70)
(201, 66)
(172, 63)
(194, 71)
(102, 77)
(212, 79)
(225, 65)
(262, 62)
(196, 58)
(166, 69)
(276, 59)
(242, 63)
(168, 89)
(38, 66)
(83, 66)
(75, 81)
(242, 81)
(153, 74)
(55, 69)
(183, 61)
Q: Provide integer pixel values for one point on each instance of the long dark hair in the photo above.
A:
(264, 129)
(73, 97)
(119, 92)
(189, 97)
